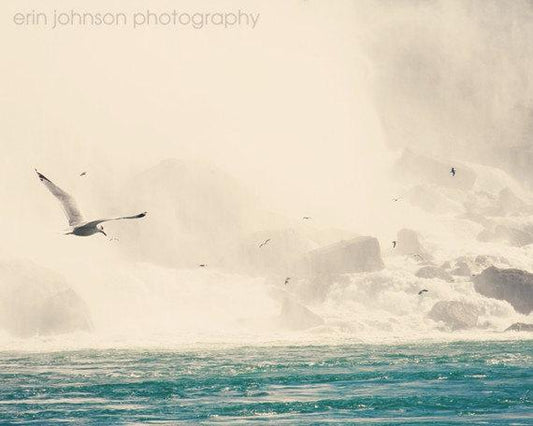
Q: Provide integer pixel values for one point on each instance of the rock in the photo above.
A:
(37, 301)
(360, 254)
(520, 326)
(409, 243)
(456, 315)
(467, 266)
(512, 285)
(446, 265)
(295, 316)
(462, 269)
(432, 272)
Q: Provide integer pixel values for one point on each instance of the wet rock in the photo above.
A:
(456, 315)
(462, 269)
(512, 285)
(409, 244)
(520, 326)
(467, 266)
(432, 272)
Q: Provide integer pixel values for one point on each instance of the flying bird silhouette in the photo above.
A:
(287, 280)
(422, 291)
(306, 218)
(83, 173)
(203, 265)
(453, 171)
(78, 226)
(394, 244)
(264, 242)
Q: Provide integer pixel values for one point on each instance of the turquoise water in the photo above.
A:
(449, 383)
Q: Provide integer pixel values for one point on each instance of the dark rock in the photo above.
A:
(512, 285)
(520, 326)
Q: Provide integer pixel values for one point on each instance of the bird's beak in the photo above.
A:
(103, 232)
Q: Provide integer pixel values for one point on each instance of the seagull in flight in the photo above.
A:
(394, 243)
(306, 218)
(83, 174)
(203, 265)
(78, 226)
(422, 291)
(287, 280)
(453, 171)
(264, 242)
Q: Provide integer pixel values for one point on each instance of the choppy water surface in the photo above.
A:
(449, 383)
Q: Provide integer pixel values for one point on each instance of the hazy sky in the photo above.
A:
(301, 108)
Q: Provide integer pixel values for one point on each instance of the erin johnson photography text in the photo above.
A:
(57, 19)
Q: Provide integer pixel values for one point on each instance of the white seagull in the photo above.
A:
(78, 226)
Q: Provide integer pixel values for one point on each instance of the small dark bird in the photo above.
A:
(422, 291)
(287, 280)
(264, 243)
(306, 218)
(394, 244)
(452, 171)
(83, 173)
(203, 265)
(395, 199)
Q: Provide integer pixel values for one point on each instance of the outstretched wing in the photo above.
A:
(68, 203)
(97, 222)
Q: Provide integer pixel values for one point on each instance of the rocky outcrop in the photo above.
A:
(296, 316)
(434, 272)
(456, 315)
(360, 254)
(36, 301)
(467, 266)
(520, 326)
(512, 285)
(409, 244)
